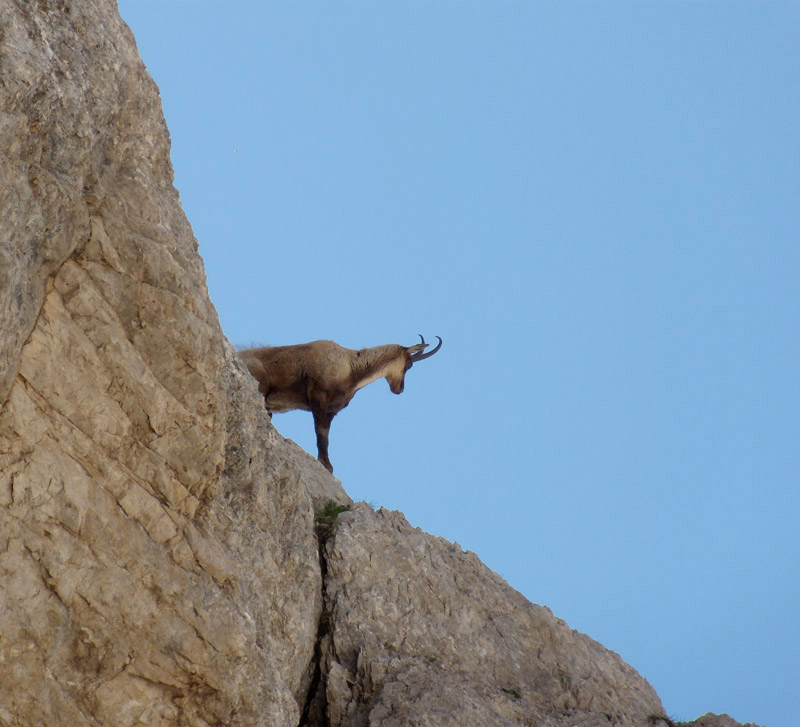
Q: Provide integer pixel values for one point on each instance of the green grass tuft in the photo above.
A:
(325, 519)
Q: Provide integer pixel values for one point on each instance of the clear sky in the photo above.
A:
(597, 206)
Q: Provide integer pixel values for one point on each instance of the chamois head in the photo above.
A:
(396, 373)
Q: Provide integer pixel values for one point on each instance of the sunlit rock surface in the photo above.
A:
(157, 559)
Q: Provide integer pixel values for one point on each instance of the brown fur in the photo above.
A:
(322, 377)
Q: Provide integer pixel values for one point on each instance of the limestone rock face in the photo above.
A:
(157, 558)
(159, 561)
(424, 633)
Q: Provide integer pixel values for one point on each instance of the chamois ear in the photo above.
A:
(418, 348)
(416, 351)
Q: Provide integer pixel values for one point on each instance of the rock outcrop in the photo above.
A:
(409, 610)
(159, 563)
(707, 720)
(718, 720)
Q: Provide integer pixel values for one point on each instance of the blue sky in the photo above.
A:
(597, 206)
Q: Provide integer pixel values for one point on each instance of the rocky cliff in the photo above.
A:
(159, 559)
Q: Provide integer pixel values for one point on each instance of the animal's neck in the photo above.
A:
(371, 364)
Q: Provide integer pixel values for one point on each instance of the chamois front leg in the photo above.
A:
(322, 426)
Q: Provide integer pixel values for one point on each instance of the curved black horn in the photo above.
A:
(419, 356)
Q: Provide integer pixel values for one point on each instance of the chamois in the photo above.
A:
(322, 377)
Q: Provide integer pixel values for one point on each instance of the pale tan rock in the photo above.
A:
(424, 633)
(718, 720)
(707, 720)
(158, 565)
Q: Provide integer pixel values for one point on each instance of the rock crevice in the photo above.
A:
(315, 709)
